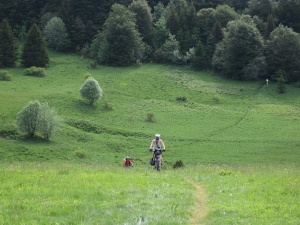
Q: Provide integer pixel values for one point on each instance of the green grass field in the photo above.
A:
(238, 141)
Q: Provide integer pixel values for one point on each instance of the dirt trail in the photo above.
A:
(201, 209)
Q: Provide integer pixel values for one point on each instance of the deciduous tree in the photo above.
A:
(27, 118)
(283, 52)
(91, 90)
(224, 14)
(241, 45)
(48, 121)
(56, 34)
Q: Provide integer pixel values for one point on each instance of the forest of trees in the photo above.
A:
(238, 39)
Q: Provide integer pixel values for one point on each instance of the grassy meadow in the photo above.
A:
(238, 141)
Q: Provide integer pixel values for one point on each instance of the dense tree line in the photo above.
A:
(239, 39)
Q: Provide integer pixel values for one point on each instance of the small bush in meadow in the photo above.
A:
(181, 98)
(4, 75)
(150, 117)
(178, 164)
(107, 106)
(91, 90)
(87, 76)
(80, 154)
(35, 71)
(93, 64)
(281, 81)
(225, 173)
(8, 131)
(216, 99)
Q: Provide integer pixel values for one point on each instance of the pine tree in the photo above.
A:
(270, 25)
(8, 45)
(35, 52)
(77, 34)
(217, 32)
(180, 18)
(143, 19)
(120, 35)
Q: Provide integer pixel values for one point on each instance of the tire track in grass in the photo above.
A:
(201, 209)
(251, 106)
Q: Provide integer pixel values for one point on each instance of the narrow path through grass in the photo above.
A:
(201, 209)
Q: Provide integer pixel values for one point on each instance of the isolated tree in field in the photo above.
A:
(91, 90)
(144, 19)
(56, 34)
(34, 51)
(27, 118)
(8, 45)
(283, 53)
(37, 117)
(120, 44)
(241, 45)
(48, 121)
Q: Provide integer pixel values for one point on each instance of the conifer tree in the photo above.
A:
(34, 51)
(8, 45)
(270, 25)
(120, 43)
(217, 32)
(180, 17)
(77, 34)
(143, 19)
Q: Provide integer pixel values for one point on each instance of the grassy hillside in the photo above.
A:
(238, 140)
(220, 121)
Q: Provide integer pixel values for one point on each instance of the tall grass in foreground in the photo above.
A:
(251, 195)
(82, 194)
(69, 194)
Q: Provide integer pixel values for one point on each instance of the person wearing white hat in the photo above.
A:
(127, 162)
(157, 143)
